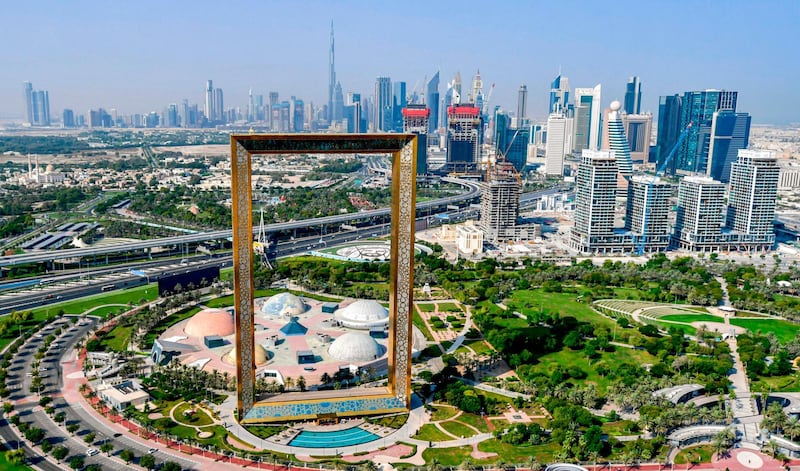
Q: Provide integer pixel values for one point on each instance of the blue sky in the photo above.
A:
(139, 56)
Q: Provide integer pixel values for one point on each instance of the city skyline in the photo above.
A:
(256, 46)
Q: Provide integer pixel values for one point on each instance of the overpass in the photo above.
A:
(473, 191)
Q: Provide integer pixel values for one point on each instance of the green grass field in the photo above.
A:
(79, 306)
(449, 307)
(694, 454)
(6, 466)
(689, 318)
(458, 429)
(426, 307)
(417, 320)
(447, 456)
(443, 412)
(567, 358)
(430, 433)
(563, 303)
(475, 420)
(784, 330)
(788, 383)
(519, 454)
(117, 340)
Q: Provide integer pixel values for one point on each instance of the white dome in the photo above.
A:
(615, 105)
(356, 347)
(283, 304)
(363, 314)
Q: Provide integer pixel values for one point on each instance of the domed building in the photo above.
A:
(260, 354)
(364, 314)
(209, 322)
(284, 304)
(356, 347)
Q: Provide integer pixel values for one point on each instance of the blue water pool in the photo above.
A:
(333, 439)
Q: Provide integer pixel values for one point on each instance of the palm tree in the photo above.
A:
(534, 465)
(771, 448)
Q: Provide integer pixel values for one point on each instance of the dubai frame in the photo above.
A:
(326, 404)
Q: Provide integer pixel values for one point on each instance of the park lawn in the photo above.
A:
(620, 427)
(783, 329)
(500, 424)
(458, 429)
(105, 311)
(686, 328)
(689, 318)
(5, 465)
(125, 296)
(694, 454)
(417, 320)
(475, 420)
(447, 456)
(519, 454)
(788, 383)
(565, 304)
(449, 307)
(567, 358)
(480, 347)
(201, 418)
(392, 421)
(430, 433)
(118, 339)
(426, 307)
(442, 412)
(264, 431)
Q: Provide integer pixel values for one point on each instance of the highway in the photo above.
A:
(474, 192)
(11, 260)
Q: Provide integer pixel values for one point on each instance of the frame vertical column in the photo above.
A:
(401, 284)
(243, 276)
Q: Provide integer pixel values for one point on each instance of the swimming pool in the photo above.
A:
(333, 439)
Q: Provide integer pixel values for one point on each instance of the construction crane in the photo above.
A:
(505, 164)
(643, 237)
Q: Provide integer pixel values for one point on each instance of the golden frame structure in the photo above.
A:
(403, 148)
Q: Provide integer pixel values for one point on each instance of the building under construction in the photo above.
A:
(500, 203)
(415, 120)
(464, 135)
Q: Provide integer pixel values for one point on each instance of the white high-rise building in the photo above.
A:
(210, 115)
(559, 129)
(647, 213)
(698, 222)
(752, 199)
(614, 139)
(595, 196)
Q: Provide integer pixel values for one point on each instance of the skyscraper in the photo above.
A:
(331, 80)
(698, 108)
(753, 196)
(559, 95)
(698, 221)
(510, 142)
(614, 139)
(209, 111)
(399, 101)
(558, 129)
(219, 106)
(37, 105)
(595, 195)
(273, 101)
(382, 119)
(633, 96)
(338, 103)
(522, 106)
(647, 212)
(637, 129)
(27, 89)
(730, 132)
(416, 120)
(432, 100)
(464, 136)
(68, 119)
(587, 119)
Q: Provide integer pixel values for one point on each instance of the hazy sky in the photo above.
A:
(138, 56)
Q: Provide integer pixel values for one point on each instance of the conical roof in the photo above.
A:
(293, 327)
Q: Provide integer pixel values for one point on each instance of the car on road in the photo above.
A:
(92, 452)
(152, 450)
